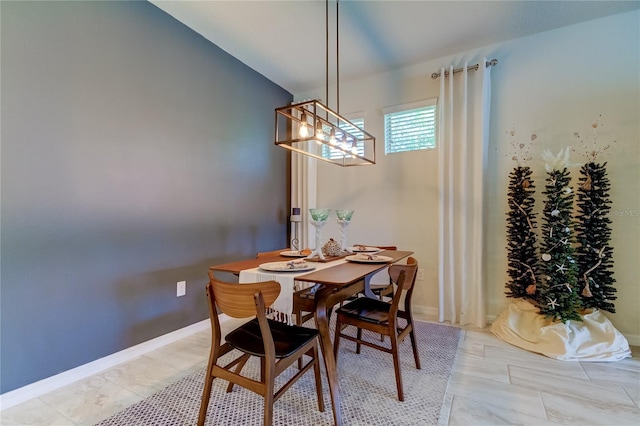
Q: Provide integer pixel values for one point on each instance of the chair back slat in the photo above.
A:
(237, 300)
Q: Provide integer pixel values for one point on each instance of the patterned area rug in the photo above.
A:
(367, 385)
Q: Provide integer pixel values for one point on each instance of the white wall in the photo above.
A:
(552, 84)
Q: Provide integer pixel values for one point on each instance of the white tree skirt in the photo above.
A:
(593, 339)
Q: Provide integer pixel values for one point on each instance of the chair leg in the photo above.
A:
(396, 366)
(414, 345)
(268, 375)
(316, 373)
(336, 338)
(206, 395)
(359, 337)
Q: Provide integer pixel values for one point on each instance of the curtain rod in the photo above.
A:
(491, 63)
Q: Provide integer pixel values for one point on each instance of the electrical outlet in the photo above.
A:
(420, 274)
(182, 288)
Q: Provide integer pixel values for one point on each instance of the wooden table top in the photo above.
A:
(350, 272)
(342, 274)
(240, 265)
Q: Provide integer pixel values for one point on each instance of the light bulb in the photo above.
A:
(304, 126)
(319, 131)
(332, 138)
(345, 144)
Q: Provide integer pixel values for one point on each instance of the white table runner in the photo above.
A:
(288, 284)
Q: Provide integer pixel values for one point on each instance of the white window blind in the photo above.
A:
(410, 127)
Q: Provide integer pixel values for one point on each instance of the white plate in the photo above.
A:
(376, 259)
(284, 267)
(292, 253)
(365, 250)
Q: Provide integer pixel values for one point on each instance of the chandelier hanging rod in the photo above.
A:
(313, 129)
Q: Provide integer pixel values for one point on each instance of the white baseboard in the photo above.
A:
(633, 339)
(425, 312)
(35, 390)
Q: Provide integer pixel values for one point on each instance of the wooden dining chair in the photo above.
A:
(277, 344)
(382, 317)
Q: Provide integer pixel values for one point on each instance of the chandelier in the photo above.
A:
(312, 128)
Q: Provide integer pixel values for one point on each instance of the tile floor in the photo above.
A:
(493, 383)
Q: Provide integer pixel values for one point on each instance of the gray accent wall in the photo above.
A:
(135, 154)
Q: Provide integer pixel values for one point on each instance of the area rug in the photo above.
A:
(367, 386)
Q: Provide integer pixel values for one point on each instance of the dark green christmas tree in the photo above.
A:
(593, 231)
(558, 298)
(522, 258)
(594, 254)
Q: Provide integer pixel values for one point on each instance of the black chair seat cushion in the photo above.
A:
(367, 309)
(286, 338)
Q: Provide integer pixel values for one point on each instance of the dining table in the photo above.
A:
(340, 279)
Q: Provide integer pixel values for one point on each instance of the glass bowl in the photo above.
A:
(319, 215)
(344, 214)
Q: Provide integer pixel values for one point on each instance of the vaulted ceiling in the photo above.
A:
(285, 40)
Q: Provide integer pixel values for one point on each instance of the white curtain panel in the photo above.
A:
(303, 195)
(463, 138)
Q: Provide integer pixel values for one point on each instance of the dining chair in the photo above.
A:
(383, 317)
(276, 344)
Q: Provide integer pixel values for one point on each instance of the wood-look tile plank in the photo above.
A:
(143, 375)
(480, 367)
(91, 400)
(507, 396)
(568, 409)
(587, 390)
(519, 357)
(33, 413)
(468, 411)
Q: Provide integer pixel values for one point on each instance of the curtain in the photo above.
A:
(463, 137)
(303, 195)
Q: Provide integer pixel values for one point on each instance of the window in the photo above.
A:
(336, 154)
(410, 127)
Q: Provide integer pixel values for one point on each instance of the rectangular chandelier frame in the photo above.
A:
(313, 129)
